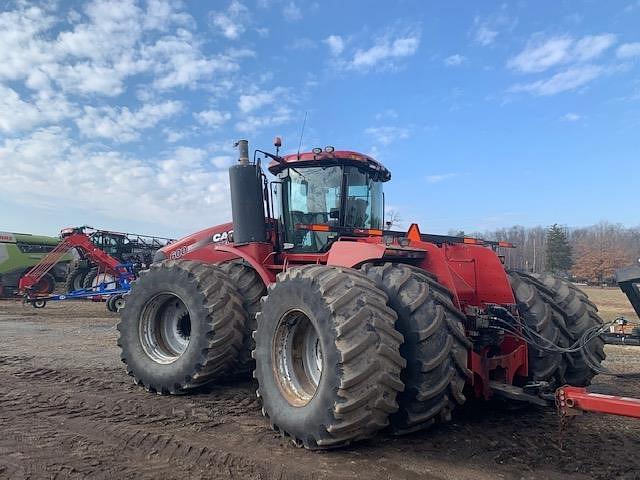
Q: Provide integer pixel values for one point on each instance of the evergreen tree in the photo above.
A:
(558, 252)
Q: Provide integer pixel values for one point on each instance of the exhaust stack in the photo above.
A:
(247, 203)
(243, 151)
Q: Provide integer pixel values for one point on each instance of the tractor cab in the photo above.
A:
(328, 193)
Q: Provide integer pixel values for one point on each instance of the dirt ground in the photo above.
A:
(612, 303)
(68, 410)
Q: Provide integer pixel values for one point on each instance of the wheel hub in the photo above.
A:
(297, 357)
(165, 328)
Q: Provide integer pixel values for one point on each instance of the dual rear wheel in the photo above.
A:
(560, 314)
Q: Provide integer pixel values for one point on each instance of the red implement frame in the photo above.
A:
(575, 400)
(106, 263)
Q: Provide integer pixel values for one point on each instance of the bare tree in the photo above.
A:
(392, 219)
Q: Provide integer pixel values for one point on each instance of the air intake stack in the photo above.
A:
(247, 204)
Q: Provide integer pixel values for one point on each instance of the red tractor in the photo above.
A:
(348, 328)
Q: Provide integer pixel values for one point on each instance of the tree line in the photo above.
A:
(587, 254)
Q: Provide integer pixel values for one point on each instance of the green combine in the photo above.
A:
(21, 251)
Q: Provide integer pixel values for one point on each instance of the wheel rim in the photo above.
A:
(298, 357)
(43, 285)
(118, 304)
(78, 280)
(165, 328)
(103, 278)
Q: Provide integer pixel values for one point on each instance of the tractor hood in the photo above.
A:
(215, 235)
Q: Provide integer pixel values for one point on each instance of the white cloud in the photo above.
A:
(385, 51)
(386, 135)
(292, 12)
(541, 54)
(571, 117)
(592, 46)
(178, 61)
(485, 35)
(212, 118)
(628, 50)
(231, 22)
(569, 79)
(49, 165)
(537, 56)
(105, 46)
(440, 177)
(250, 102)
(222, 161)
(161, 14)
(172, 135)
(17, 115)
(388, 113)
(253, 123)
(335, 44)
(486, 29)
(121, 124)
(454, 60)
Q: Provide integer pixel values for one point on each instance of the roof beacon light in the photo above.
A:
(277, 142)
(317, 150)
(329, 149)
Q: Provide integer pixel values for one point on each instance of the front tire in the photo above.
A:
(327, 356)
(181, 326)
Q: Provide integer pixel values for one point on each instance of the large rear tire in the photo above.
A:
(45, 285)
(327, 356)
(540, 314)
(181, 326)
(251, 289)
(435, 346)
(75, 279)
(581, 315)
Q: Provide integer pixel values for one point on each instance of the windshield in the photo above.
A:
(314, 195)
(364, 200)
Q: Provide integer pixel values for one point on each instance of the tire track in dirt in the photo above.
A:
(124, 430)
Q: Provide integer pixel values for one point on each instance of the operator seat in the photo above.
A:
(356, 215)
(298, 235)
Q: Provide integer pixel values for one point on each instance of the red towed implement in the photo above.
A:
(349, 328)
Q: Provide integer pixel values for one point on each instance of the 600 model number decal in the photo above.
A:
(223, 237)
(179, 252)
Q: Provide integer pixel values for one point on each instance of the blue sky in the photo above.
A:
(122, 114)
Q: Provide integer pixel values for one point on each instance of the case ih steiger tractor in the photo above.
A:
(348, 328)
